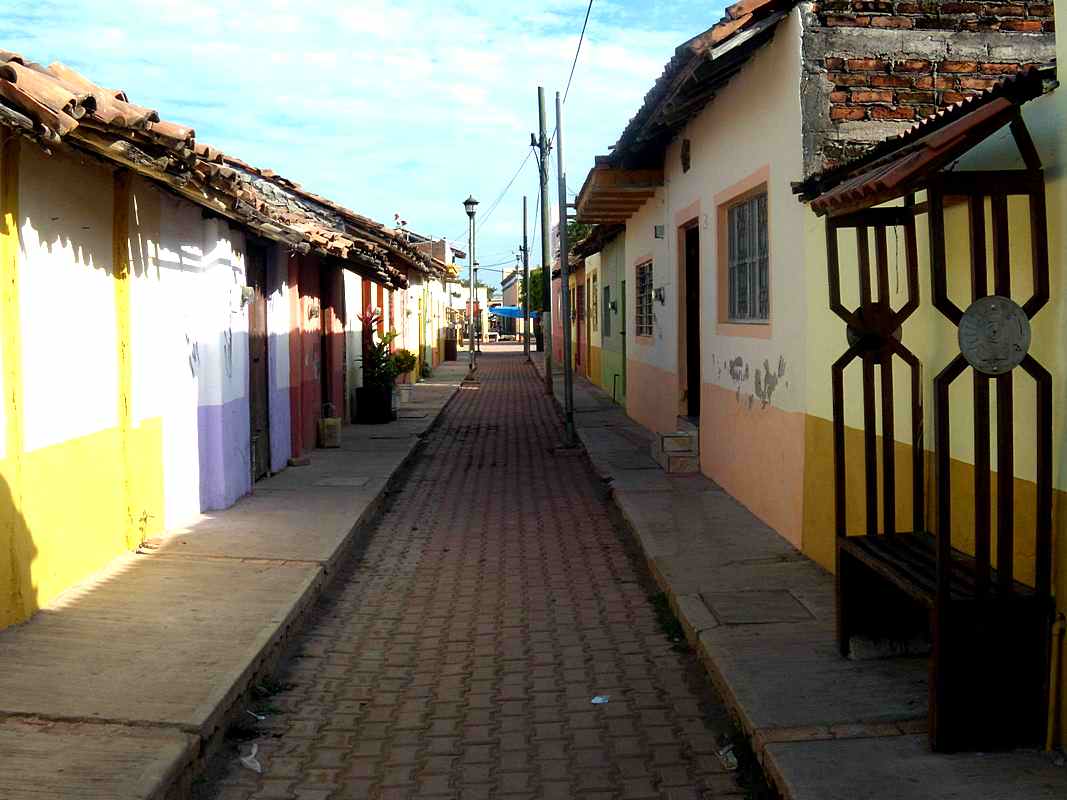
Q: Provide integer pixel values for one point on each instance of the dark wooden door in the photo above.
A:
(622, 332)
(692, 319)
(579, 319)
(258, 378)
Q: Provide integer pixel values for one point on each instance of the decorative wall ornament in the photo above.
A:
(994, 335)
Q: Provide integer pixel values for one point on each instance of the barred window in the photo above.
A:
(643, 304)
(747, 230)
(594, 303)
(607, 311)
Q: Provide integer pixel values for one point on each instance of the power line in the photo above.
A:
(576, 52)
(503, 192)
(551, 139)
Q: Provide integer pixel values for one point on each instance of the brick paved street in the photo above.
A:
(458, 656)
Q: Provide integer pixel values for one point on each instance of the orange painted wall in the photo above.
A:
(650, 396)
(757, 455)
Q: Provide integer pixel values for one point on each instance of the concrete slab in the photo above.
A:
(789, 675)
(903, 767)
(111, 691)
(160, 641)
(755, 607)
(289, 535)
(85, 761)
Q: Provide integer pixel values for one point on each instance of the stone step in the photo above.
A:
(677, 453)
(680, 442)
(677, 463)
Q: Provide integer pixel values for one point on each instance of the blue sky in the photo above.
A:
(387, 107)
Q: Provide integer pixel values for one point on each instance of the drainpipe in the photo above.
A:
(1058, 628)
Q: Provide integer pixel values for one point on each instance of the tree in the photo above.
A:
(576, 231)
(537, 284)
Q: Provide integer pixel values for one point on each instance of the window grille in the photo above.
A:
(749, 295)
(607, 311)
(643, 304)
(594, 303)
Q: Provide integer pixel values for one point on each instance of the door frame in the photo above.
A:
(258, 252)
(689, 318)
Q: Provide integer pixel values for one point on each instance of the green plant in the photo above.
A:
(424, 370)
(379, 367)
(404, 361)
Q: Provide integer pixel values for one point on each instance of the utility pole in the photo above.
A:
(564, 274)
(543, 148)
(526, 283)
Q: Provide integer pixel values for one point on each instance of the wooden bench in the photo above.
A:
(988, 632)
(988, 647)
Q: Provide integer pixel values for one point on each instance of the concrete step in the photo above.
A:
(678, 453)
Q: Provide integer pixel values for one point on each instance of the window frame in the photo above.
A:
(755, 184)
(740, 258)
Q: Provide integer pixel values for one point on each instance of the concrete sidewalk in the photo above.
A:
(761, 616)
(123, 687)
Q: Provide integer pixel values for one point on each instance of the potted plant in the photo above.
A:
(374, 399)
(404, 361)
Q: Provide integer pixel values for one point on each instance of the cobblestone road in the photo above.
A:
(459, 655)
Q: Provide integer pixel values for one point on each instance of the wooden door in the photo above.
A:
(258, 377)
(622, 333)
(579, 318)
(692, 319)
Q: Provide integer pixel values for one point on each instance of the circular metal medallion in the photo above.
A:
(994, 335)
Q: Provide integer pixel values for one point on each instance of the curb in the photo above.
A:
(176, 780)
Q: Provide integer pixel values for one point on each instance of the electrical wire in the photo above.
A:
(581, 38)
(570, 77)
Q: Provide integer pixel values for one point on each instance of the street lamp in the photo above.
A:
(471, 205)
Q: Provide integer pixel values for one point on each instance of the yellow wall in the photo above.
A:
(74, 504)
(934, 340)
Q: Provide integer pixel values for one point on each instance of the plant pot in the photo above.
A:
(374, 405)
(406, 392)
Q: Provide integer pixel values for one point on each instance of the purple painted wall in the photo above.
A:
(225, 456)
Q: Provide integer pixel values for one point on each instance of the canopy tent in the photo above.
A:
(511, 312)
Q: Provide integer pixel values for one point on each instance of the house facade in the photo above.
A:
(724, 276)
(175, 324)
(718, 293)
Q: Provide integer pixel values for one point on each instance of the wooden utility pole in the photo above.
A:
(525, 283)
(544, 146)
(564, 284)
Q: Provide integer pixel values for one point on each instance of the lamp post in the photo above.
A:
(470, 204)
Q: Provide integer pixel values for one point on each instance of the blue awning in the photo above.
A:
(511, 312)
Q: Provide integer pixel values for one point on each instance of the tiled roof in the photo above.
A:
(56, 106)
(890, 168)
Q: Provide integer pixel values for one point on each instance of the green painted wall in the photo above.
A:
(612, 363)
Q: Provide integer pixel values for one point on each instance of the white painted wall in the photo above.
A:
(763, 98)
(754, 122)
(174, 337)
(67, 299)
(353, 288)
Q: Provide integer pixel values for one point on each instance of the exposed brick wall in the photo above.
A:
(1020, 15)
(874, 67)
(866, 88)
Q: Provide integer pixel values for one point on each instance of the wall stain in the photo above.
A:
(765, 381)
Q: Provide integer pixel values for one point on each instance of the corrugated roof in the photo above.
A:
(56, 106)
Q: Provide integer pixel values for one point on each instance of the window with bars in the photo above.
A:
(747, 232)
(643, 300)
(594, 304)
(607, 311)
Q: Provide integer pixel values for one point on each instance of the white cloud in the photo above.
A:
(403, 106)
